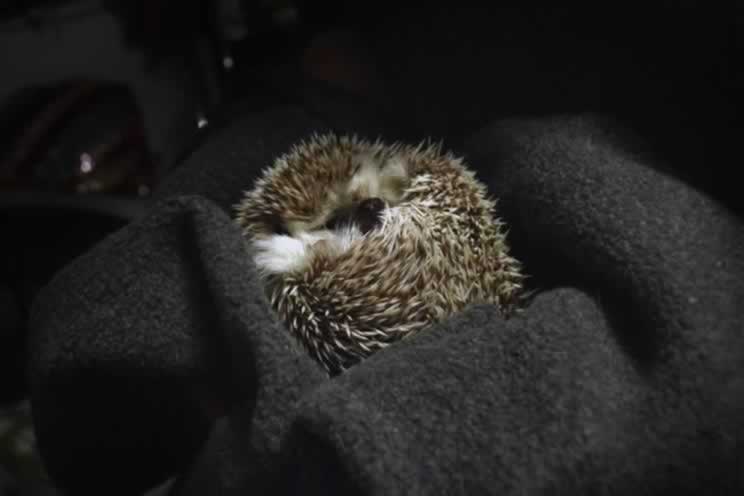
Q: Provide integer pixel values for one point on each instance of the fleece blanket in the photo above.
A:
(155, 358)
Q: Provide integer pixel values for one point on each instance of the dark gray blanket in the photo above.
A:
(155, 356)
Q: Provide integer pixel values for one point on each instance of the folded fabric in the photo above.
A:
(155, 355)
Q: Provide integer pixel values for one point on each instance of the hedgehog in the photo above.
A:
(360, 244)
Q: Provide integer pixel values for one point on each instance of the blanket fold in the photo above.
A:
(155, 354)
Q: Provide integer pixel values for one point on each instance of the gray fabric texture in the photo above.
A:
(155, 355)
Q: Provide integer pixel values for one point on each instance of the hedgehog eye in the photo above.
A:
(366, 215)
(340, 218)
(276, 226)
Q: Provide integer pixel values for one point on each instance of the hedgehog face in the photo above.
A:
(362, 244)
(352, 208)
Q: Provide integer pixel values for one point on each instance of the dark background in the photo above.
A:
(132, 86)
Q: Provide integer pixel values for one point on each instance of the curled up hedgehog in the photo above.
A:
(361, 244)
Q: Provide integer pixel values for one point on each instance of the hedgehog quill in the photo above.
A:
(361, 244)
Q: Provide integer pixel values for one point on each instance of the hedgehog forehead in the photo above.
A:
(303, 188)
(305, 198)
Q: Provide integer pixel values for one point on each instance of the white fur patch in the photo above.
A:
(281, 254)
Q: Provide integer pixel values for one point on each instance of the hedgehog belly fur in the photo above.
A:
(361, 244)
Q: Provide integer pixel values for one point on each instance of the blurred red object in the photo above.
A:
(75, 137)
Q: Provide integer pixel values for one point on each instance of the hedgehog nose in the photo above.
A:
(368, 213)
